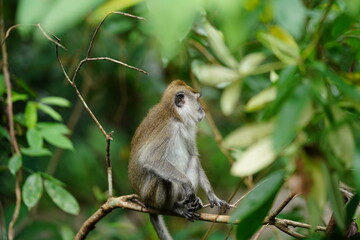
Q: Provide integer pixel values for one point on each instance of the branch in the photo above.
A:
(42, 30)
(131, 202)
(72, 83)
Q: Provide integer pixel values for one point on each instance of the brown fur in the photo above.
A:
(164, 168)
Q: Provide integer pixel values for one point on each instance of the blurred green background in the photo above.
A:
(280, 79)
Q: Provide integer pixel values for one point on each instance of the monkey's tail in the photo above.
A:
(160, 227)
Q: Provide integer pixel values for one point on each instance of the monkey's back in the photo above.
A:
(148, 143)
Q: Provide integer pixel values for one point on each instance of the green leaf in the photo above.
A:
(24, 16)
(214, 75)
(58, 140)
(246, 135)
(35, 152)
(353, 7)
(351, 208)
(4, 133)
(30, 114)
(230, 98)
(281, 44)
(62, 198)
(50, 111)
(72, 13)
(32, 190)
(349, 90)
(108, 6)
(250, 62)
(52, 179)
(57, 101)
(66, 233)
(2, 85)
(18, 97)
(341, 139)
(54, 134)
(34, 138)
(285, 85)
(217, 44)
(15, 164)
(291, 15)
(260, 100)
(356, 171)
(46, 127)
(258, 156)
(162, 14)
(289, 117)
(254, 207)
(335, 197)
(317, 192)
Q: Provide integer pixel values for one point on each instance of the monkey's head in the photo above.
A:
(184, 102)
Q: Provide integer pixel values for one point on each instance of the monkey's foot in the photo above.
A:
(195, 205)
(187, 210)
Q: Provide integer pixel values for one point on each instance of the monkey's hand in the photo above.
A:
(215, 201)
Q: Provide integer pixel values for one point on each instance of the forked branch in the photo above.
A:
(71, 81)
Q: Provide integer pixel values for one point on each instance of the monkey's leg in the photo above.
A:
(169, 173)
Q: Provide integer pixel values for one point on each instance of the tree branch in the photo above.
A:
(131, 202)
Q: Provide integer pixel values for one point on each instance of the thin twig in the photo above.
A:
(10, 114)
(108, 59)
(283, 227)
(38, 25)
(281, 207)
(300, 225)
(108, 164)
(108, 137)
(101, 23)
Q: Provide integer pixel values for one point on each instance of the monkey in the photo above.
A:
(164, 167)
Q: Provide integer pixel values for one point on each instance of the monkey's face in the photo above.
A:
(188, 106)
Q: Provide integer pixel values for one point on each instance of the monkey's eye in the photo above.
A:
(179, 99)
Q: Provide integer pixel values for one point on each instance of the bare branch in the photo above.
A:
(42, 30)
(104, 58)
(101, 23)
(281, 207)
(283, 227)
(72, 83)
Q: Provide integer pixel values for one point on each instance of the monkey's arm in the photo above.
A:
(169, 173)
(206, 186)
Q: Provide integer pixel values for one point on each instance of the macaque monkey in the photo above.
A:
(164, 166)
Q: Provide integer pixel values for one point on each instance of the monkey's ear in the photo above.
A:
(179, 99)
